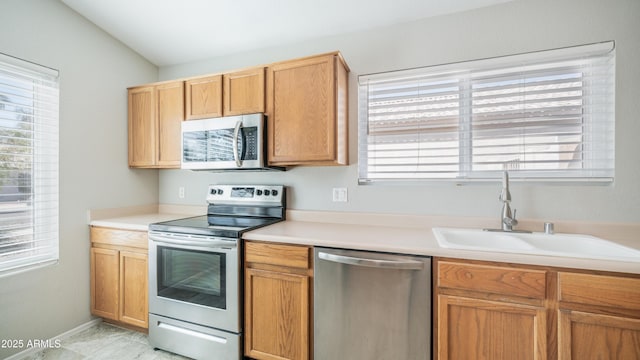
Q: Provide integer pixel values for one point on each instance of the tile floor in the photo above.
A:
(105, 342)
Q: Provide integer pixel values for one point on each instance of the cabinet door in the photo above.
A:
(170, 100)
(133, 289)
(302, 111)
(104, 283)
(142, 127)
(481, 329)
(204, 97)
(244, 92)
(599, 316)
(591, 336)
(276, 315)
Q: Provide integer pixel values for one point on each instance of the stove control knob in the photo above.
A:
(259, 192)
(267, 192)
(220, 192)
(214, 191)
(274, 192)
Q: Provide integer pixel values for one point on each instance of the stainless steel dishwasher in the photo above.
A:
(373, 306)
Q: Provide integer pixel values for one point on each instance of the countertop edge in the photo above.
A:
(413, 241)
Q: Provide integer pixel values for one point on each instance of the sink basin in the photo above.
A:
(569, 245)
(473, 239)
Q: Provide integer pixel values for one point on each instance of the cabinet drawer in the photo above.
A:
(600, 290)
(492, 279)
(119, 237)
(278, 254)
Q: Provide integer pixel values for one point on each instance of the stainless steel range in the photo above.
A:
(195, 282)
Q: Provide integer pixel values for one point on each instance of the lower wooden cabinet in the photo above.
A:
(133, 289)
(490, 312)
(502, 311)
(105, 283)
(278, 284)
(119, 289)
(599, 316)
(480, 329)
(585, 335)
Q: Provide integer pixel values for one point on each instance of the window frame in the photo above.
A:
(463, 73)
(32, 94)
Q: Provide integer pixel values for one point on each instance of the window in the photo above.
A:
(28, 165)
(542, 116)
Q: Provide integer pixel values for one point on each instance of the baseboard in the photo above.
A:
(64, 335)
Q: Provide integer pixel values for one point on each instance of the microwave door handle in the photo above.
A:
(236, 136)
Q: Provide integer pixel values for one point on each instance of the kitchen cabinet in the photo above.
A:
(203, 97)
(155, 115)
(278, 283)
(119, 290)
(235, 93)
(489, 310)
(599, 317)
(305, 101)
(307, 111)
(244, 92)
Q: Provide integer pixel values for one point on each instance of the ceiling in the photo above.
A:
(169, 32)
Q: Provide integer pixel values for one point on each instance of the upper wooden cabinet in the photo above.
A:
(305, 101)
(307, 111)
(236, 93)
(243, 92)
(142, 126)
(155, 115)
(203, 97)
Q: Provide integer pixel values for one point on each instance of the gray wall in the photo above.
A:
(514, 27)
(95, 71)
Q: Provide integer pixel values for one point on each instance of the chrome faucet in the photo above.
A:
(508, 220)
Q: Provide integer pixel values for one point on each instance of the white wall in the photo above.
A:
(95, 71)
(514, 27)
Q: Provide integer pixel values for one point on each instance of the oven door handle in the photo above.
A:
(209, 243)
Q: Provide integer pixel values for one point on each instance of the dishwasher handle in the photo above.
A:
(384, 264)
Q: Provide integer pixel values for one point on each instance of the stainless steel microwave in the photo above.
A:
(225, 143)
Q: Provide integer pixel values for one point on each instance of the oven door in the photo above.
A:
(195, 278)
(233, 142)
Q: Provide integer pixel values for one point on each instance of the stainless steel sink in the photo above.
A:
(569, 245)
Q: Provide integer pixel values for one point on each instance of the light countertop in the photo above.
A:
(140, 217)
(405, 234)
(136, 222)
(418, 239)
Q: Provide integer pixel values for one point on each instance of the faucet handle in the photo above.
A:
(511, 221)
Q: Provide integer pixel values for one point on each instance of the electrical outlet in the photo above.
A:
(339, 194)
(181, 192)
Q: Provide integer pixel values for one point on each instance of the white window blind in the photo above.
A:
(29, 99)
(546, 116)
